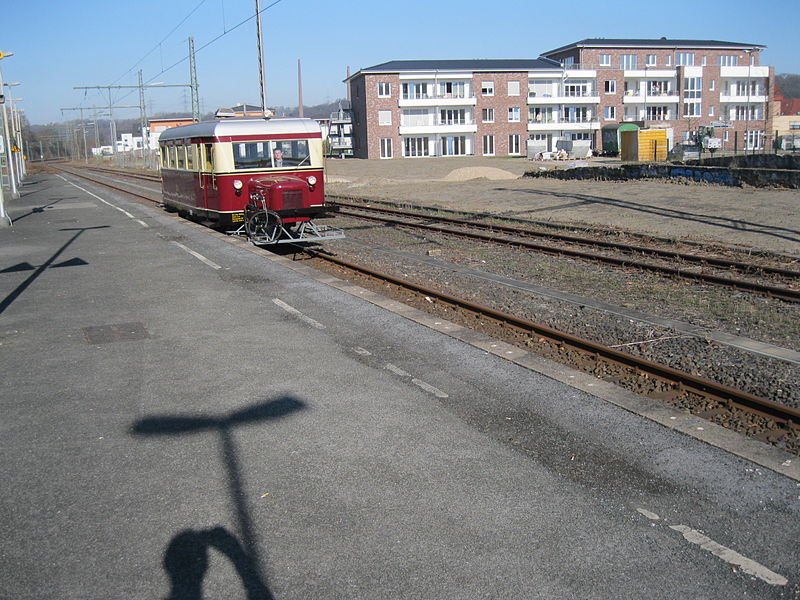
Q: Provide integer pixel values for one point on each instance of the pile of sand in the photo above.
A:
(469, 173)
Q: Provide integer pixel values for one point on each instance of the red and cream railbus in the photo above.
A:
(259, 176)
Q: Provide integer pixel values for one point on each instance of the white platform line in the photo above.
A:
(418, 382)
(298, 314)
(123, 211)
(198, 256)
(730, 556)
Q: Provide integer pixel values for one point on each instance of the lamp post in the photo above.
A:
(16, 128)
(5, 220)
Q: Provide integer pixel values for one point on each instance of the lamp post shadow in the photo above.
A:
(186, 557)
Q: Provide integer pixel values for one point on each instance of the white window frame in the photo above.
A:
(610, 86)
(384, 89)
(487, 88)
(386, 148)
(488, 145)
(513, 114)
(513, 88)
(627, 62)
(487, 115)
(605, 60)
(514, 144)
(651, 60)
(610, 113)
(384, 117)
(684, 59)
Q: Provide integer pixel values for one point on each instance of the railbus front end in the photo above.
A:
(260, 177)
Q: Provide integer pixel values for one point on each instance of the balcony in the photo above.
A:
(637, 97)
(576, 70)
(586, 97)
(439, 127)
(742, 99)
(553, 125)
(650, 73)
(744, 72)
(438, 100)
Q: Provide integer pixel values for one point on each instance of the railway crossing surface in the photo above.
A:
(183, 419)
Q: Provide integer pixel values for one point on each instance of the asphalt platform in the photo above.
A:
(183, 418)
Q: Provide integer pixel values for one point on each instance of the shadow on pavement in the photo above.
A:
(186, 556)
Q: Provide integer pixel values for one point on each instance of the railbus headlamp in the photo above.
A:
(312, 180)
(237, 184)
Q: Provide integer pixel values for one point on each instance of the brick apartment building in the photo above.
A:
(493, 107)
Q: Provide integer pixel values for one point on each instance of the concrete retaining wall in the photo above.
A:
(784, 178)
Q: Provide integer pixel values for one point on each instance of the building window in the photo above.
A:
(627, 62)
(454, 145)
(651, 61)
(513, 144)
(384, 89)
(754, 139)
(685, 59)
(452, 116)
(540, 114)
(513, 88)
(728, 60)
(384, 117)
(513, 114)
(577, 88)
(488, 145)
(576, 114)
(415, 146)
(703, 61)
(610, 113)
(453, 89)
(657, 113)
(416, 91)
(692, 87)
(586, 137)
(712, 85)
(669, 60)
(605, 60)
(386, 147)
(725, 136)
(692, 109)
(711, 111)
(743, 114)
(487, 115)
(487, 88)
(611, 86)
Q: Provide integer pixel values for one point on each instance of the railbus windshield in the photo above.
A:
(271, 154)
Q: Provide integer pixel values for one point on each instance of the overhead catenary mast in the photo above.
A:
(261, 77)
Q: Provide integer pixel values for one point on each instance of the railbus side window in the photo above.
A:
(181, 151)
(190, 157)
(209, 157)
(164, 162)
(172, 156)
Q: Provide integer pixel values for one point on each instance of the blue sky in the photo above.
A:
(59, 45)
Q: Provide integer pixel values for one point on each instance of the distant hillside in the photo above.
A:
(789, 84)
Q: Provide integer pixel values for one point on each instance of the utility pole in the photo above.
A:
(193, 83)
(299, 89)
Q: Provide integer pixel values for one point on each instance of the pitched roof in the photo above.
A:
(522, 64)
(651, 43)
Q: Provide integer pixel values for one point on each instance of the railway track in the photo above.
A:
(526, 238)
(702, 396)
(761, 417)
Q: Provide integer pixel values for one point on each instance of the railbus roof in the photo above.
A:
(234, 127)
